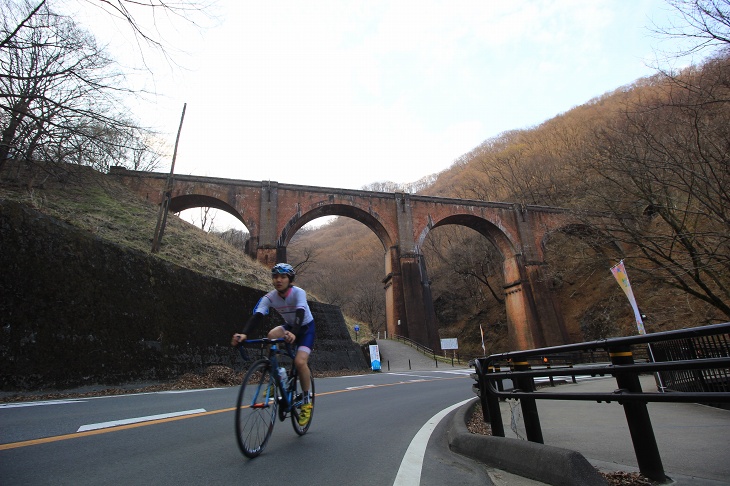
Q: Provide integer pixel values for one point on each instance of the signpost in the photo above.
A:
(450, 343)
(357, 329)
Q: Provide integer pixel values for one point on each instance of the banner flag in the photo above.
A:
(482, 332)
(619, 272)
(375, 357)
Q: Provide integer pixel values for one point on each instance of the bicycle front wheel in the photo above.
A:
(297, 399)
(256, 409)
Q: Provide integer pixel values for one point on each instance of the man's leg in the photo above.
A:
(276, 333)
(301, 362)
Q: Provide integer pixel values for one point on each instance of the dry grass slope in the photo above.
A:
(90, 201)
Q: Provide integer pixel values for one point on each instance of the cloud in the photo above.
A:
(344, 93)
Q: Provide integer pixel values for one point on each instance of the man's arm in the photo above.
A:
(252, 321)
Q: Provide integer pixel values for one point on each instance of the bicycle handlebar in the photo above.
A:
(265, 341)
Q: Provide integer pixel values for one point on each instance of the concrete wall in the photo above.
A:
(76, 310)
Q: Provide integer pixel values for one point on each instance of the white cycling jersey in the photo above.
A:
(295, 298)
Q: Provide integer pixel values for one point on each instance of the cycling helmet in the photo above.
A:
(284, 268)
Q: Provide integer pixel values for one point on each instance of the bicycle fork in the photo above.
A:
(267, 394)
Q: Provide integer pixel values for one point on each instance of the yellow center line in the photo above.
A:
(78, 435)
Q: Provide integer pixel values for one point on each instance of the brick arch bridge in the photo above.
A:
(273, 212)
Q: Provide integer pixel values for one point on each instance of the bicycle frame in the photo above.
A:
(274, 351)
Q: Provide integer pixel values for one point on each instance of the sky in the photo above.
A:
(344, 93)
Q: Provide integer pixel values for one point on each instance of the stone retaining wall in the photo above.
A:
(76, 310)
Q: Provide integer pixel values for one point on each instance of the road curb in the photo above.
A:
(544, 463)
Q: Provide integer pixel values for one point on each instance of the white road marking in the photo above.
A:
(359, 387)
(409, 473)
(115, 423)
(35, 404)
(410, 374)
(101, 397)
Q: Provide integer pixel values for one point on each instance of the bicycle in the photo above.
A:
(263, 396)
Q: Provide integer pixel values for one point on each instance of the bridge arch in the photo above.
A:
(190, 201)
(479, 224)
(300, 219)
(522, 308)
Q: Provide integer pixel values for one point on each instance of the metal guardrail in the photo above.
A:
(425, 350)
(709, 364)
(411, 342)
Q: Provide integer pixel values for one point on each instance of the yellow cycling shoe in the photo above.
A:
(305, 414)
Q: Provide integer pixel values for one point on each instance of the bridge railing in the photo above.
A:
(701, 353)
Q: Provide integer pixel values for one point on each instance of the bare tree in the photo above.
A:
(61, 96)
(128, 11)
(367, 306)
(235, 237)
(307, 257)
(9, 33)
(706, 22)
(207, 218)
(665, 160)
(470, 257)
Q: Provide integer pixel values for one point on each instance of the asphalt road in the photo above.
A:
(363, 428)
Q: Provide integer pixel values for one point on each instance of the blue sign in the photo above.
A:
(375, 357)
(357, 328)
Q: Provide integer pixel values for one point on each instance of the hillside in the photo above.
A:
(89, 201)
(654, 151)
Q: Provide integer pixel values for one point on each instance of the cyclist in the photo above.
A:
(291, 303)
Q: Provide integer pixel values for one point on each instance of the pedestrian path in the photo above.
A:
(396, 356)
(693, 439)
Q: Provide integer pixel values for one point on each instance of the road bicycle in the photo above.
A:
(264, 395)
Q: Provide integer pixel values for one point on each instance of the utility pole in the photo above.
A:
(165, 205)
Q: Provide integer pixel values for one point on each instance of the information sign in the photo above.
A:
(450, 343)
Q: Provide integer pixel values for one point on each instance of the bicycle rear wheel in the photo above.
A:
(256, 409)
(297, 404)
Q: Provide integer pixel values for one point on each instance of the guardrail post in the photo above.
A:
(573, 375)
(529, 406)
(547, 364)
(482, 386)
(490, 403)
(637, 417)
(494, 411)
